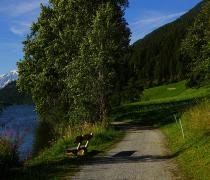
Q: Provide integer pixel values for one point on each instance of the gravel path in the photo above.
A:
(139, 156)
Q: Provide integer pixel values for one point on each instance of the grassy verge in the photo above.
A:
(53, 163)
(192, 153)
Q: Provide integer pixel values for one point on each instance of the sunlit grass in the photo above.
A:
(172, 92)
(193, 152)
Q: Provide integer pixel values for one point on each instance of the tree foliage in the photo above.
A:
(196, 47)
(10, 95)
(157, 59)
(71, 58)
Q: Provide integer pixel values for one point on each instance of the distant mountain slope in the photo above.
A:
(9, 95)
(7, 78)
(156, 59)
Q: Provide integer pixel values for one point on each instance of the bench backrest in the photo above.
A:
(86, 137)
(80, 139)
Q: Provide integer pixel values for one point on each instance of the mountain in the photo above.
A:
(10, 95)
(7, 78)
(157, 58)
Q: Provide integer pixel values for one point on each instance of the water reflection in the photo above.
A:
(21, 119)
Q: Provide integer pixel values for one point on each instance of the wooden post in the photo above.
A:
(180, 123)
(181, 128)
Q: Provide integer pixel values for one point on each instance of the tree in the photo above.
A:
(196, 47)
(156, 59)
(71, 56)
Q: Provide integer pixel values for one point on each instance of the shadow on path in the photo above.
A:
(128, 159)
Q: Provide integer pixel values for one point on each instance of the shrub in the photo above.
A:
(9, 145)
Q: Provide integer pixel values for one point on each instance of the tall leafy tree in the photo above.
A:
(71, 56)
(101, 53)
(196, 47)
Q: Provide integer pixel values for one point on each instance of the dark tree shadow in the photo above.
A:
(154, 115)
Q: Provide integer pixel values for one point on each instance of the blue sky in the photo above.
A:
(16, 16)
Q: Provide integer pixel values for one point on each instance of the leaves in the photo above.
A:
(196, 47)
(71, 57)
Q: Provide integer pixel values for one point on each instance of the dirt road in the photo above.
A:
(141, 155)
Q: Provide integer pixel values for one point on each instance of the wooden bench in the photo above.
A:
(80, 149)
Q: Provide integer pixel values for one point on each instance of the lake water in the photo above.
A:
(21, 119)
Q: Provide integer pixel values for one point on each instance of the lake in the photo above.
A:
(22, 119)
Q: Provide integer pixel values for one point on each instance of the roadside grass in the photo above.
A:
(53, 163)
(193, 152)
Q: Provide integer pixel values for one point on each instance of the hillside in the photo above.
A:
(10, 95)
(157, 59)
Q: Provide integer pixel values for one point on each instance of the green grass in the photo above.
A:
(162, 101)
(53, 163)
(173, 92)
(193, 151)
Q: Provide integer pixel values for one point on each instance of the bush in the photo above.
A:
(9, 144)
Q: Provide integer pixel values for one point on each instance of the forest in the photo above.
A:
(158, 58)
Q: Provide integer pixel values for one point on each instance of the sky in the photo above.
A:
(16, 16)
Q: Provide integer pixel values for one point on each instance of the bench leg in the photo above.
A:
(82, 152)
(72, 152)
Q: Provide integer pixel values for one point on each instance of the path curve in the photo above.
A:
(141, 155)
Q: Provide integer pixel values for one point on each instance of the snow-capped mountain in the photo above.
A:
(7, 78)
